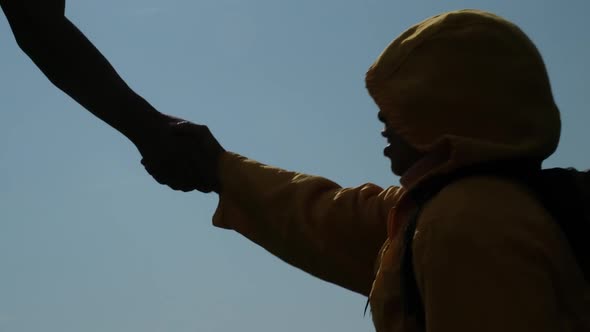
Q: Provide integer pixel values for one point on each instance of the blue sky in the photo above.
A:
(89, 242)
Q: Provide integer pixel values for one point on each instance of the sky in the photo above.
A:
(89, 242)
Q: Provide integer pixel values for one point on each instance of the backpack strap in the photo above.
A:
(561, 192)
(410, 293)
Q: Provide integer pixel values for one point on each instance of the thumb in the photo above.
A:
(186, 128)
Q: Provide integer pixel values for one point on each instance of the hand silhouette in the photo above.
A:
(184, 156)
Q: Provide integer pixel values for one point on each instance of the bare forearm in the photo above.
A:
(72, 63)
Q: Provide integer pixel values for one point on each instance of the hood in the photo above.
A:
(466, 87)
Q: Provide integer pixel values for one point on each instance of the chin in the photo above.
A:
(397, 172)
(396, 169)
(399, 167)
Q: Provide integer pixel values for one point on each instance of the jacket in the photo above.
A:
(463, 87)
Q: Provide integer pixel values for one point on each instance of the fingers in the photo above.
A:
(180, 175)
(184, 157)
(173, 173)
(156, 171)
(190, 132)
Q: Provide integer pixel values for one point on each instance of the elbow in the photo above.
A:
(24, 35)
(28, 36)
(25, 44)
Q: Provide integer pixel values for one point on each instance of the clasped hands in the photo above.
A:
(182, 155)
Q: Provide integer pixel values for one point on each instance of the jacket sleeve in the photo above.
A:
(309, 222)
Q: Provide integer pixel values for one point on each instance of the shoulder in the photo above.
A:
(485, 217)
(482, 205)
(488, 238)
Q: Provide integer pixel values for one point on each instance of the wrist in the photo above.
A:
(219, 165)
(144, 125)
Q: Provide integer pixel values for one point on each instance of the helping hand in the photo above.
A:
(185, 156)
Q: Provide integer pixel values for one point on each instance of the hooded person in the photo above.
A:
(459, 89)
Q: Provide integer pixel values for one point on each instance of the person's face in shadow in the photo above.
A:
(401, 154)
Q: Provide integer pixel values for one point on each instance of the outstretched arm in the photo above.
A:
(74, 65)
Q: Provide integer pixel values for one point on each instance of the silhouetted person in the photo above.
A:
(464, 244)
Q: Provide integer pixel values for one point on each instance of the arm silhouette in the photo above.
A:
(72, 63)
